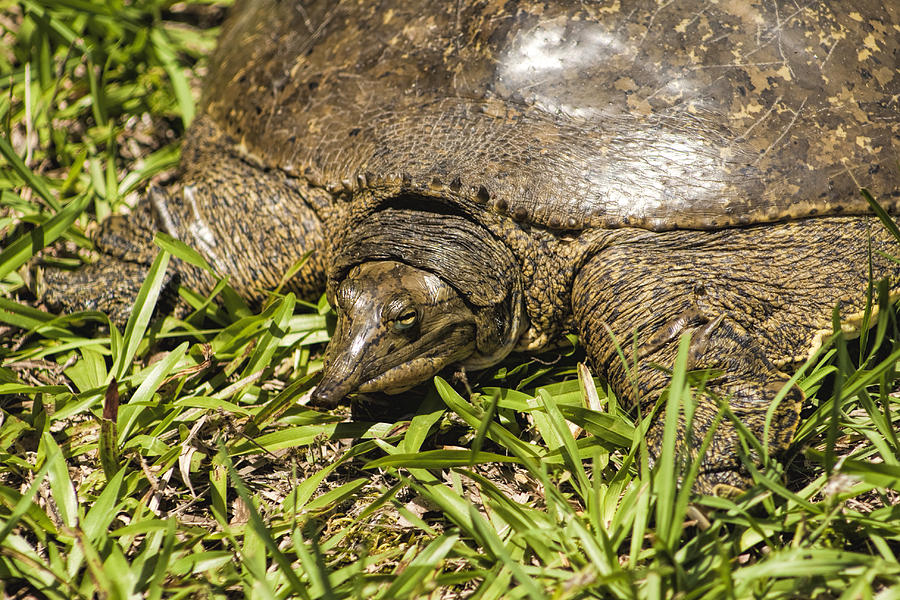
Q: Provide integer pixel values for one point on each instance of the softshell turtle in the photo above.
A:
(474, 178)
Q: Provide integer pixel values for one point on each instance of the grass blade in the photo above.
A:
(25, 247)
(144, 305)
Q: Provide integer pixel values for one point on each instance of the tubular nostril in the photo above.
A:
(327, 394)
(341, 377)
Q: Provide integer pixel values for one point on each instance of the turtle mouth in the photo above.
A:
(411, 373)
(343, 378)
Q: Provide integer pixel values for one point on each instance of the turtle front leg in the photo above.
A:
(617, 296)
(111, 283)
(251, 224)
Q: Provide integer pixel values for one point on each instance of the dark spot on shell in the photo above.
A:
(407, 179)
(874, 169)
(520, 214)
(838, 208)
(864, 73)
(483, 194)
(436, 183)
(500, 205)
(813, 211)
(456, 184)
(354, 132)
(554, 222)
(312, 85)
(292, 139)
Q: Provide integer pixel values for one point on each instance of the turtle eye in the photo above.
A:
(405, 320)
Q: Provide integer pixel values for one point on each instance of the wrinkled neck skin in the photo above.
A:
(415, 292)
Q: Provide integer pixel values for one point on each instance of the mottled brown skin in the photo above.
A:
(513, 171)
(250, 223)
(757, 300)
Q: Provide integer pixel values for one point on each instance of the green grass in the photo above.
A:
(173, 459)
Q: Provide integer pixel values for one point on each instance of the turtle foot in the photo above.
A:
(109, 286)
(755, 393)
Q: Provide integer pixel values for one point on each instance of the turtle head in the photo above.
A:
(416, 291)
(397, 326)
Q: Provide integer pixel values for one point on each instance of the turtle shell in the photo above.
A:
(572, 114)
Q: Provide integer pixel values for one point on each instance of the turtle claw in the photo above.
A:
(693, 319)
(700, 342)
(672, 329)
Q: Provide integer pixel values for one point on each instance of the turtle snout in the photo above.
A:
(343, 373)
(328, 393)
